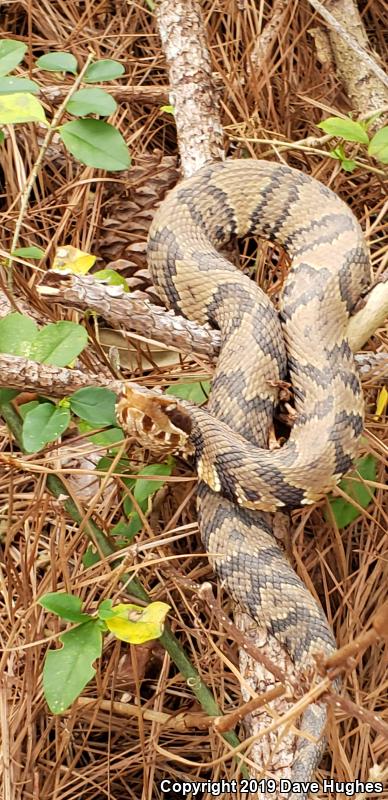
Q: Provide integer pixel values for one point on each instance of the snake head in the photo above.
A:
(158, 422)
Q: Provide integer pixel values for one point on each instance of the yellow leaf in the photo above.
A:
(136, 624)
(70, 259)
(20, 107)
(382, 401)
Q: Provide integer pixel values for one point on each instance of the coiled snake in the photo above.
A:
(239, 478)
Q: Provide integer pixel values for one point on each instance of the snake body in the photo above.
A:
(240, 478)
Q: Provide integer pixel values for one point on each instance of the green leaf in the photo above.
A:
(168, 109)
(105, 464)
(111, 278)
(7, 395)
(105, 609)
(20, 107)
(348, 164)
(16, 334)
(2, 137)
(197, 392)
(26, 407)
(66, 606)
(42, 425)
(11, 54)
(12, 85)
(67, 671)
(338, 152)
(29, 252)
(91, 101)
(142, 490)
(59, 343)
(347, 129)
(104, 70)
(96, 144)
(378, 146)
(90, 557)
(136, 624)
(133, 526)
(344, 511)
(96, 406)
(127, 530)
(105, 438)
(58, 62)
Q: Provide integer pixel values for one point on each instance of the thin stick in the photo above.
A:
(229, 721)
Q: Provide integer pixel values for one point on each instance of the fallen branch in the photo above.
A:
(350, 40)
(30, 376)
(366, 90)
(127, 312)
(193, 95)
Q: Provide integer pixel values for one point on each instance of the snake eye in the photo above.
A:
(179, 419)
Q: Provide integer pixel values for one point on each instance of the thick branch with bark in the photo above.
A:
(30, 376)
(364, 80)
(193, 94)
(130, 313)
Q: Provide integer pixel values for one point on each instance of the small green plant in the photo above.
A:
(91, 410)
(68, 670)
(350, 130)
(344, 511)
(58, 344)
(168, 109)
(94, 142)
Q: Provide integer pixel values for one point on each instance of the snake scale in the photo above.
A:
(240, 479)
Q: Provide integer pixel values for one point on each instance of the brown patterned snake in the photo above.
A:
(240, 480)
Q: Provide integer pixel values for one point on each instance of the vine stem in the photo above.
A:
(26, 192)
(280, 145)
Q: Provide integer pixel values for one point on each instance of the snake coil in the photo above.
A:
(240, 479)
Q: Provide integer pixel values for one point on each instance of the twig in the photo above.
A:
(126, 311)
(379, 630)
(176, 722)
(22, 373)
(229, 721)
(281, 145)
(266, 38)
(148, 94)
(367, 93)
(353, 710)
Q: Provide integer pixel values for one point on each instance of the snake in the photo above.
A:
(241, 480)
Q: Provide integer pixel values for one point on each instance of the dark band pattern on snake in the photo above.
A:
(240, 479)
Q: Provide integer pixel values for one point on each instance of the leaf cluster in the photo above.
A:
(94, 142)
(350, 130)
(69, 669)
